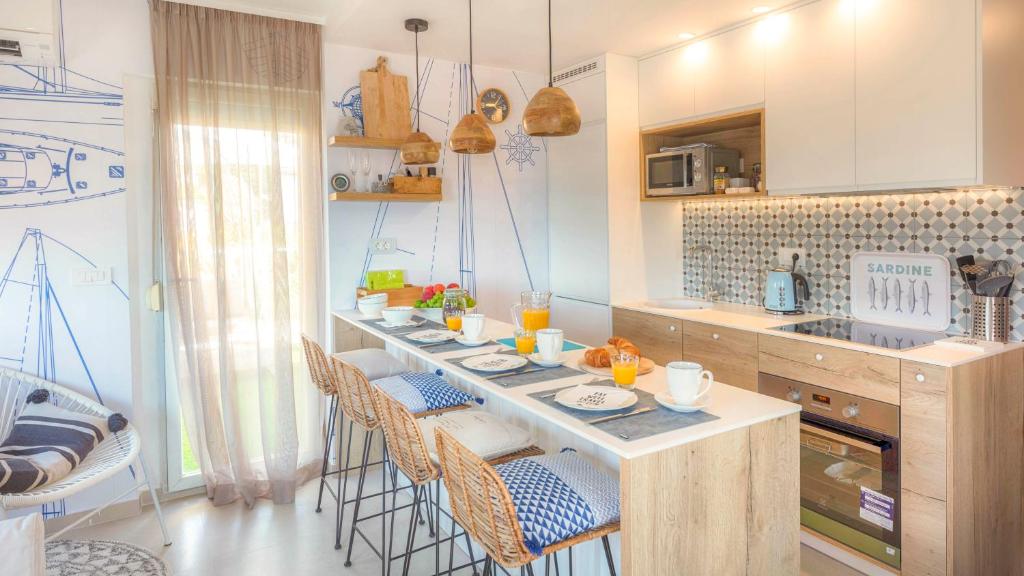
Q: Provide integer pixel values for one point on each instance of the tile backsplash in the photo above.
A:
(745, 237)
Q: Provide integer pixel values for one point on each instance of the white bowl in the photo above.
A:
(371, 309)
(380, 297)
(395, 315)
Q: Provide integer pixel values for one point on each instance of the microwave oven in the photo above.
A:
(688, 170)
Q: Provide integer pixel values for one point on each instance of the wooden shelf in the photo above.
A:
(382, 197)
(364, 142)
(704, 197)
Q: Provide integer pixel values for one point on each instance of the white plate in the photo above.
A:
(407, 324)
(536, 359)
(431, 336)
(461, 339)
(494, 362)
(596, 398)
(665, 400)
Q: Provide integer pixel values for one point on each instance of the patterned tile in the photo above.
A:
(988, 213)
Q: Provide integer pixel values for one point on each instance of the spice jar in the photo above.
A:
(721, 179)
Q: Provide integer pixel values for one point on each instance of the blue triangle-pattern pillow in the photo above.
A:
(422, 391)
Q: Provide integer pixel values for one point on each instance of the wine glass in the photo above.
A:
(366, 169)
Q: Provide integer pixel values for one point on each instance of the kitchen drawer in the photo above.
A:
(850, 371)
(658, 338)
(730, 354)
(923, 429)
(922, 535)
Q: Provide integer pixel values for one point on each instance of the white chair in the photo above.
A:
(115, 453)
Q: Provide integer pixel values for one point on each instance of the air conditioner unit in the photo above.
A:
(28, 33)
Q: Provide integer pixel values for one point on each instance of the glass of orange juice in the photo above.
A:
(453, 307)
(624, 369)
(454, 323)
(526, 340)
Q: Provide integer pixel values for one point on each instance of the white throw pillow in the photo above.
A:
(481, 432)
(373, 362)
(21, 546)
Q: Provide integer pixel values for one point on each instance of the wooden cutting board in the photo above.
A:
(385, 102)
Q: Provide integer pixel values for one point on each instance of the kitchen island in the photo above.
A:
(716, 497)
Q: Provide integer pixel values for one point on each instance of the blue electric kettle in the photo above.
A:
(785, 292)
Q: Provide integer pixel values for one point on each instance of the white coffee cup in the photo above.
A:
(549, 344)
(473, 326)
(688, 382)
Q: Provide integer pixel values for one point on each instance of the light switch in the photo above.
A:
(92, 276)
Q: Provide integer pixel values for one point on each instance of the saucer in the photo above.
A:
(461, 339)
(536, 359)
(665, 400)
(406, 324)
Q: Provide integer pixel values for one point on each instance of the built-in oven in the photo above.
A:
(849, 466)
(688, 170)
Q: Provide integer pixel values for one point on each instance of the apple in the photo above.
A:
(453, 285)
(428, 293)
(438, 288)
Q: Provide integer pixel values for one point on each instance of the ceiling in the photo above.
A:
(510, 34)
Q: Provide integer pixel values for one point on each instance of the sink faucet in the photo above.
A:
(705, 254)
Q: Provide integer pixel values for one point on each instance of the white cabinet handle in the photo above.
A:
(919, 377)
(715, 336)
(672, 328)
(819, 357)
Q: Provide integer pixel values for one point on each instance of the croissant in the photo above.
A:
(623, 345)
(598, 357)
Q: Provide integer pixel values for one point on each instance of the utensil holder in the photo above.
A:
(990, 318)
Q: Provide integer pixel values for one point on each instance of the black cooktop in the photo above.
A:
(891, 337)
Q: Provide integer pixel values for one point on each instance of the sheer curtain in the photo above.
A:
(240, 130)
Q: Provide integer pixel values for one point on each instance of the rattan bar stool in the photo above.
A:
(483, 504)
(425, 394)
(416, 457)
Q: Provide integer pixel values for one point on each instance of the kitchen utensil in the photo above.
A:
(990, 318)
(533, 312)
(994, 286)
(970, 276)
(666, 400)
(785, 291)
(494, 362)
(385, 102)
(617, 416)
(520, 373)
(688, 382)
(595, 398)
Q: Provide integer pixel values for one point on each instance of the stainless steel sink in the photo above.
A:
(678, 304)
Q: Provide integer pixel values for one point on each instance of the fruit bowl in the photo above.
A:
(430, 304)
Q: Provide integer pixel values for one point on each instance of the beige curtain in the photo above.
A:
(240, 123)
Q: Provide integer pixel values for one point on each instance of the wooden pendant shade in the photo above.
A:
(551, 112)
(472, 135)
(418, 148)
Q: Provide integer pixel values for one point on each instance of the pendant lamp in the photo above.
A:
(472, 135)
(418, 148)
(551, 112)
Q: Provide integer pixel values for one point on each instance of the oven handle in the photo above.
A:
(853, 441)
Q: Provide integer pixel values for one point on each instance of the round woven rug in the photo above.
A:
(100, 558)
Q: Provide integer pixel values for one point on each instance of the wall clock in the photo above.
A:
(493, 104)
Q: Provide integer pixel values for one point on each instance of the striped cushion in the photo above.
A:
(45, 445)
(422, 391)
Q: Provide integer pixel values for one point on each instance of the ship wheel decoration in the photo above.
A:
(520, 148)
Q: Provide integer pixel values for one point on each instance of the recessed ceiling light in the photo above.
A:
(761, 9)
(686, 36)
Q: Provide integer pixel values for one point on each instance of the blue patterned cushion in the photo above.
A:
(559, 496)
(422, 391)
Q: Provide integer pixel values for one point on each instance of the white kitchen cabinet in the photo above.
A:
(584, 322)
(916, 93)
(578, 214)
(666, 88)
(809, 100)
(727, 70)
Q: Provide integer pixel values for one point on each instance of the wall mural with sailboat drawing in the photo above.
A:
(489, 233)
(62, 209)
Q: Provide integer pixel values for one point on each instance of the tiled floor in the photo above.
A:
(291, 540)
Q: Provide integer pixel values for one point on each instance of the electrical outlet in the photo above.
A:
(381, 246)
(786, 257)
(91, 276)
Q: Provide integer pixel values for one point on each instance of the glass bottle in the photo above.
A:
(454, 308)
(721, 179)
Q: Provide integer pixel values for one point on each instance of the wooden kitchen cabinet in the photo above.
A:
(922, 535)
(731, 355)
(809, 98)
(917, 97)
(923, 389)
(658, 338)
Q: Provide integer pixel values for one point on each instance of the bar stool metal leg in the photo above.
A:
(608, 554)
(359, 495)
(385, 550)
(343, 487)
(411, 541)
(327, 453)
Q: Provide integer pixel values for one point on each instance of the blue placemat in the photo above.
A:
(644, 425)
(566, 346)
(528, 374)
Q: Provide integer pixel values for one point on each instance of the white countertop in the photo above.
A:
(755, 319)
(735, 408)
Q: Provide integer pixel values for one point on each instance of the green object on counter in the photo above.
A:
(385, 279)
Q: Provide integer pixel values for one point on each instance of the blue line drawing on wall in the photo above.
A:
(40, 170)
(520, 148)
(351, 104)
(39, 328)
